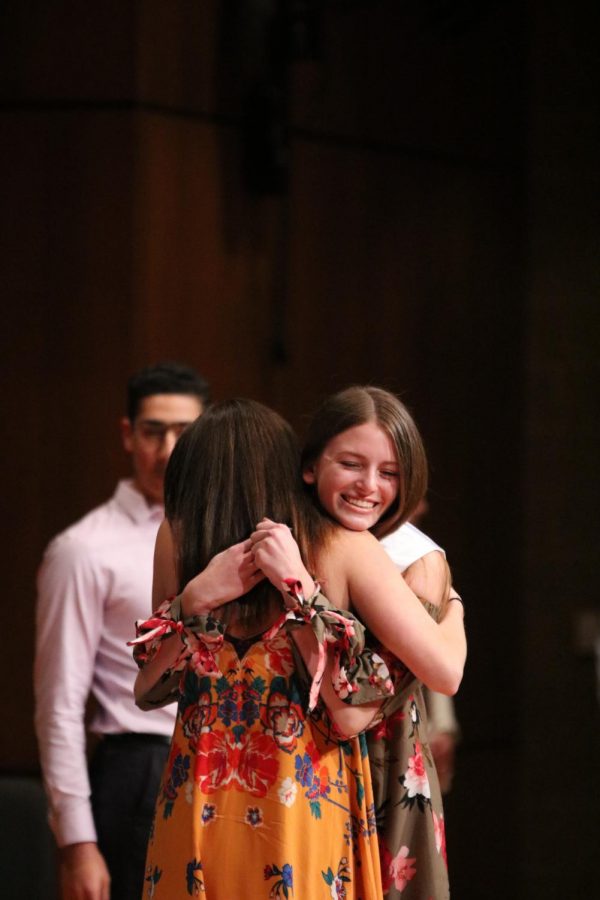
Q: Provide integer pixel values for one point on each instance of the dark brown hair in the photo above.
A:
(238, 462)
(356, 406)
(164, 378)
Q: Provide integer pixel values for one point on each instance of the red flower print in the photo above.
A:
(385, 859)
(248, 765)
(385, 728)
(258, 765)
(279, 656)
(319, 786)
(415, 778)
(439, 827)
(402, 869)
(282, 720)
(212, 768)
(313, 753)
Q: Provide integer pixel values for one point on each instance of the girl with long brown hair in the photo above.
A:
(259, 798)
(365, 467)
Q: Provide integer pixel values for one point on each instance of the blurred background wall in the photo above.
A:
(295, 196)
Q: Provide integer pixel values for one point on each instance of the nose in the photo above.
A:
(168, 442)
(368, 480)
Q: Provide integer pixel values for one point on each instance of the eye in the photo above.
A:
(350, 464)
(388, 473)
(150, 431)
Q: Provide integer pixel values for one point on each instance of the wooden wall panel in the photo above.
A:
(67, 280)
(202, 259)
(64, 52)
(431, 78)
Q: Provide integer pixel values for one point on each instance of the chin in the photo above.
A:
(353, 525)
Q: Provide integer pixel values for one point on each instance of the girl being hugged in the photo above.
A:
(260, 798)
(365, 467)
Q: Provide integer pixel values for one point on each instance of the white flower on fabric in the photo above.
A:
(381, 673)
(287, 792)
(415, 777)
(341, 684)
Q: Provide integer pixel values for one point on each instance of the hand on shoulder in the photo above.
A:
(429, 577)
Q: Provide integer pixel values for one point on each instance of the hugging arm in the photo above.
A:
(434, 652)
(277, 554)
(228, 575)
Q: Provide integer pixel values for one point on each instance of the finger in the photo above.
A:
(266, 524)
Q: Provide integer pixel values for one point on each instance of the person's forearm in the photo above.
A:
(350, 720)
(149, 677)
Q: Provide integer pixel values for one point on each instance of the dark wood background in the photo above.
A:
(404, 194)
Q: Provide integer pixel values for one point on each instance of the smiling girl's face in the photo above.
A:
(357, 476)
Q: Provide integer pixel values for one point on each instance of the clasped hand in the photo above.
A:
(270, 552)
(277, 555)
(229, 575)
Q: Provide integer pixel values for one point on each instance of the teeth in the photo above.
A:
(361, 504)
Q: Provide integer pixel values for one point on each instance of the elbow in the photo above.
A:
(353, 722)
(451, 681)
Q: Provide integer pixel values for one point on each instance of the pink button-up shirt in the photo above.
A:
(94, 582)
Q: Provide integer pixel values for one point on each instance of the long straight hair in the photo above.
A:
(356, 406)
(237, 463)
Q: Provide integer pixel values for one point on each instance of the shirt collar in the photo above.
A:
(135, 504)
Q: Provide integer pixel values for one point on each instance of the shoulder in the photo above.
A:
(352, 547)
(83, 542)
(165, 544)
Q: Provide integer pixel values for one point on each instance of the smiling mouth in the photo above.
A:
(367, 505)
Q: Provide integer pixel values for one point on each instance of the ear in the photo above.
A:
(308, 475)
(127, 434)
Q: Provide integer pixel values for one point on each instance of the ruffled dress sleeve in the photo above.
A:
(201, 637)
(402, 677)
(359, 673)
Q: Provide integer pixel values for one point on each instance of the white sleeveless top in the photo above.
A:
(407, 544)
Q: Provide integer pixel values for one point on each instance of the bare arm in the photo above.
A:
(276, 552)
(435, 652)
(429, 578)
(350, 720)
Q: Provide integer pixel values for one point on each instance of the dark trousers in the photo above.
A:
(125, 774)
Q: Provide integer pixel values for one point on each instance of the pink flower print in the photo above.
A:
(402, 869)
(342, 686)
(415, 778)
(439, 828)
(381, 674)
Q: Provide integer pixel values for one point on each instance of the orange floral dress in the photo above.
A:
(259, 798)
